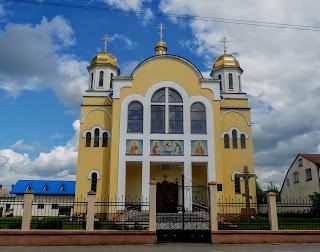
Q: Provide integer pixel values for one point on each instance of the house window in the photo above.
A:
(288, 182)
(219, 187)
(157, 119)
(159, 96)
(54, 206)
(176, 119)
(94, 182)
(234, 139)
(101, 79)
(7, 209)
(300, 162)
(226, 141)
(220, 82)
(295, 177)
(105, 139)
(40, 206)
(88, 139)
(239, 79)
(230, 81)
(135, 117)
(111, 81)
(237, 185)
(91, 83)
(96, 138)
(308, 174)
(243, 141)
(198, 118)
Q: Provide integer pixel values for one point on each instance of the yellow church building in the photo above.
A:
(163, 120)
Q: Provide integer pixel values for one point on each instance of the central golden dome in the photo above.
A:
(104, 59)
(226, 60)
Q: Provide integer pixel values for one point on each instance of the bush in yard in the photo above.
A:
(315, 207)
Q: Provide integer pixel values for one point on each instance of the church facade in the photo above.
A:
(163, 120)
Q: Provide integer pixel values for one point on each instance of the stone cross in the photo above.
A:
(224, 41)
(165, 177)
(246, 176)
(161, 27)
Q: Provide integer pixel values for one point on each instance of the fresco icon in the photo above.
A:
(199, 148)
(134, 147)
(167, 147)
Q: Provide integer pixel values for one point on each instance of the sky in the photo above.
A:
(45, 51)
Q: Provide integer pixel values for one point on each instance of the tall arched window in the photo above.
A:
(173, 107)
(230, 81)
(234, 139)
(111, 81)
(105, 139)
(237, 185)
(96, 138)
(226, 139)
(101, 79)
(239, 80)
(91, 82)
(135, 117)
(88, 139)
(94, 181)
(219, 77)
(198, 118)
(243, 141)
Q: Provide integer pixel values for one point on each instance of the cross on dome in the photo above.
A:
(161, 27)
(224, 41)
(105, 38)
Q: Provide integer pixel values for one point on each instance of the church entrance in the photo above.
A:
(167, 197)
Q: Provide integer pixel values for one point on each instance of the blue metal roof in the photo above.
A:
(38, 186)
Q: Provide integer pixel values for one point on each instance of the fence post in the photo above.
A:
(27, 210)
(213, 206)
(90, 211)
(273, 217)
(153, 206)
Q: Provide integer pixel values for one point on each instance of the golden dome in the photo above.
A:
(104, 59)
(161, 46)
(226, 60)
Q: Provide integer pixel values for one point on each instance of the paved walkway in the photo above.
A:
(308, 247)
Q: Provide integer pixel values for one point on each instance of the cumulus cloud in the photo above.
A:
(129, 44)
(281, 72)
(59, 163)
(127, 4)
(35, 146)
(35, 59)
(56, 136)
(128, 67)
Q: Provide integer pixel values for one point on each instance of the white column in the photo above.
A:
(121, 183)
(145, 183)
(187, 171)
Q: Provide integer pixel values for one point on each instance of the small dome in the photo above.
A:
(161, 44)
(161, 48)
(104, 59)
(226, 60)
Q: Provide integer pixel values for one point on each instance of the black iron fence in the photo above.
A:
(298, 214)
(237, 214)
(11, 210)
(130, 213)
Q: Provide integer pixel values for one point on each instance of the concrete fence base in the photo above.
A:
(75, 237)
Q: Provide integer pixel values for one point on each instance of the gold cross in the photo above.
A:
(161, 27)
(224, 41)
(105, 38)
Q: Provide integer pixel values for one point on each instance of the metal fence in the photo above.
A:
(237, 214)
(121, 213)
(298, 214)
(52, 212)
(11, 210)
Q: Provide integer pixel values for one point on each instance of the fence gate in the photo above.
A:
(182, 211)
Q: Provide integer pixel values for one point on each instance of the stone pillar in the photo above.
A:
(213, 206)
(273, 217)
(27, 210)
(145, 183)
(153, 206)
(187, 171)
(90, 211)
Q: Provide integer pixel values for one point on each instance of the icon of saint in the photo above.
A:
(155, 148)
(134, 147)
(166, 149)
(177, 148)
(199, 150)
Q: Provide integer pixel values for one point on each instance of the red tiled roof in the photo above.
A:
(315, 158)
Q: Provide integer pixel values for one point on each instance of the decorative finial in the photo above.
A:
(105, 38)
(161, 27)
(224, 41)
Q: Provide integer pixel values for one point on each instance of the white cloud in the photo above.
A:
(280, 70)
(129, 44)
(128, 67)
(127, 4)
(56, 136)
(59, 163)
(35, 146)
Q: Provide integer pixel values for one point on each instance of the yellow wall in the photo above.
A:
(133, 182)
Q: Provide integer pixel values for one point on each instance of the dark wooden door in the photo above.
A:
(167, 197)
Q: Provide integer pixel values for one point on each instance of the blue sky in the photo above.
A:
(45, 51)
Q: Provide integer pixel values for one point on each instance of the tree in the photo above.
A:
(315, 201)
(258, 188)
(272, 188)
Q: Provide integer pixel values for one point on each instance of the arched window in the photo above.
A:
(219, 77)
(239, 80)
(174, 96)
(105, 139)
(234, 139)
(91, 82)
(88, 139)
(96, 138)
(230, 81)
(111, 81)
(237, 185)
(101, 79)
(226, 141)
(198, 118)
(135, 117)
(243, 141)
(159, 96)
(94, 181)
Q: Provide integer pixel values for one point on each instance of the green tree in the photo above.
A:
(272, 188)
(315, 201)
(258, 188)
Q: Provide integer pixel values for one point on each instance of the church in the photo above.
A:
(162, 121)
